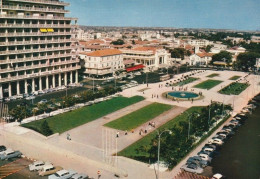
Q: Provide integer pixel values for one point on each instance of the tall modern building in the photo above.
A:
(37, 50)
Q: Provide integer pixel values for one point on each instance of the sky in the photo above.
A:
(214, 14)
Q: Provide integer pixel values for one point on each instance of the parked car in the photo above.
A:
(10, 154)
(2, 148)
(38, 165)
(198, 160)
(79, 176)
(205, 157)
(192, 167)
(218, 176)
(43, 101)
(216, 141)
(62, 174)
(30, 98)
(49, 169)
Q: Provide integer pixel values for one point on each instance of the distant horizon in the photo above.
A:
(242, 15)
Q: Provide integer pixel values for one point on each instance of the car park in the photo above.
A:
(193, 168)
(62, 174)
(49, 169)
(80, 176)
(198, 160)
(10, 154)
(38, 165)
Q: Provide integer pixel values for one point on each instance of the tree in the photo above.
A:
(118, 42)
(20, 112)
(222, 56)
(207, 49)
(45, 128)
(179, 53)
(246, 61)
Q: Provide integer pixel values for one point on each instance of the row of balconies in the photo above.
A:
(34, 9)
(16, 25)
(22, 77)
(31, 42)
(14, 34)
(10, 16)
(28, 59)
(61, 3)
(10, 52)
(21, 68)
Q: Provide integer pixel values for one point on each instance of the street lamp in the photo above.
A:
(159, 143)
(65, 86)
(189, 117)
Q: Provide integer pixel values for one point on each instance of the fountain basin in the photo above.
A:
(183, 94)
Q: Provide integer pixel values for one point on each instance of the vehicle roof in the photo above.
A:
(61, 172)
(9, 151)
(218, 175)
(48, 166)
(37, 162)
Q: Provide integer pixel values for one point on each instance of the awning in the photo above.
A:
(50, 30)
(137, 67)
(43, 30)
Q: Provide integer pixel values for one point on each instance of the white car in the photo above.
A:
(30, 98)
(216, 141)
(38, 165)
(205, 157)
(62, 174)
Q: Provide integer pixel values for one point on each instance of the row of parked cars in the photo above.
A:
(43, 168)
(197, 163)
(129, 85)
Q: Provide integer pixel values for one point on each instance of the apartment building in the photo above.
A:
(199, 42)
(102, 62)
(151, 57)
(37, 50)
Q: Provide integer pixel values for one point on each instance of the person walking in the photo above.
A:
(117, 134)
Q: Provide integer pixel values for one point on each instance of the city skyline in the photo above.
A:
(213, 14)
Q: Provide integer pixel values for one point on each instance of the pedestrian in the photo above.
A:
(157, 96)
(68, 136)
(132, 130)
(145, 131)
(166, 95)
(140, 132)
(126, 132)
(192, 100)
(143, 92)
(117, 134)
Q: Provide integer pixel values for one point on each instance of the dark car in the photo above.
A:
(2, 148)
(198, 160)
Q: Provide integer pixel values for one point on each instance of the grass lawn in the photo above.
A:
(208, 84)
(234, 88)
(213, 75)
(234, 77)
(139, 117)
(72, 119)
(189, 80)
(131, 151)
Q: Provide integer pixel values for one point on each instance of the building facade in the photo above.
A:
(200, 58)
(37, 51)
(102, 62)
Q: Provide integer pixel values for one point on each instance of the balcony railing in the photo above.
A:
(35, 9)
(28, 59)
(45, 2)
(13, 34)
(9, 52)
(22, 77)
(10, 16)
(38, 25)
(38, 66)
(35, 42)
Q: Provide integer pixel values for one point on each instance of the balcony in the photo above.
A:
(9, 52)
(36, 58)
(22, 68)
(61, 3)
(38, 25)
(10, 34)
(32, 42)
(9, 16)
(34, 9)
(23, 77)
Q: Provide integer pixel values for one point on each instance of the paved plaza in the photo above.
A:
(95, 144)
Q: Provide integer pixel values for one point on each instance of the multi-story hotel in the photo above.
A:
(37, 50)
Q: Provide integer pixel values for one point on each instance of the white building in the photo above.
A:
(102, 62)
(255, 39)
(37, 51)
(151, 57)
(199, 42)
(200, 58)
(236, 50)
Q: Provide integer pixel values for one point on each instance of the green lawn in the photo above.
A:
(234, 77)
(208, 84)
(189, 80)
(139, 117)
(69, 120)
(213, 75)
(234, 88)
(132, 152)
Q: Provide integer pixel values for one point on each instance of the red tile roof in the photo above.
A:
(201, 55)
(106, 52)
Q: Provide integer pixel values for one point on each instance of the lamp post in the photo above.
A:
(65, 86)
(189, 118)
(158, 155)
(31, 89)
